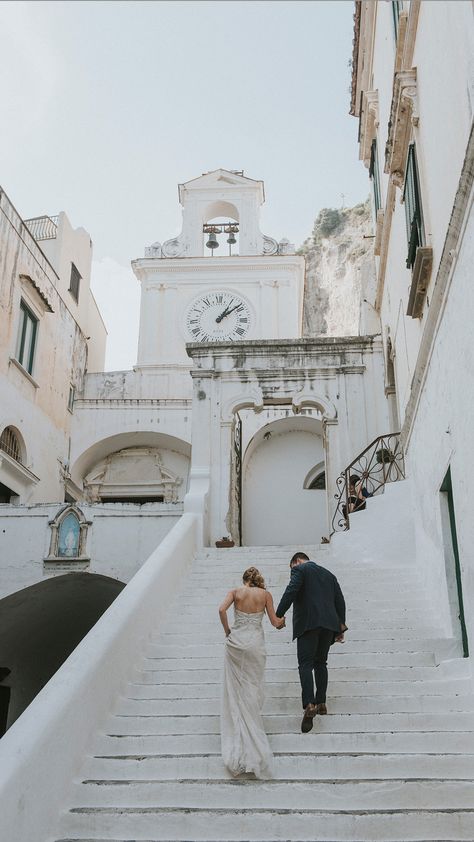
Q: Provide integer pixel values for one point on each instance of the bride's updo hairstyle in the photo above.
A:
(254, 578)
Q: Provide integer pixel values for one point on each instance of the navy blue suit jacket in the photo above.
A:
(316, 597)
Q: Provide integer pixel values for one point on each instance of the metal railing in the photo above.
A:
(382, 461)
(43, 227)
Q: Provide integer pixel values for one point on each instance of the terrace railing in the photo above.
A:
(381, 462)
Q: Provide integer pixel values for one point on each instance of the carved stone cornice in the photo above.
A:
(403, 116)
(369, 121)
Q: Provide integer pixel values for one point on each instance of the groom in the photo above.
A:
(319, 615)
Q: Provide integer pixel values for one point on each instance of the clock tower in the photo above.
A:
(220, 280)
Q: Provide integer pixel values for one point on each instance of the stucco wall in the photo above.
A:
(120, 538)
(442, 437)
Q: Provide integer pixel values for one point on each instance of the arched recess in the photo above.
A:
(220, 209)
(220, 214)
(276, 508)
(39, 628)
(134, 467)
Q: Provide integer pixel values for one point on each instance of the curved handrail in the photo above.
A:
(380, 462)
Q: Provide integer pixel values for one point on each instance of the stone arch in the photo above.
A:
(217, 209)
(275, 506)
(31, 649)
(322, 403)
(251, 399)
(168, 457)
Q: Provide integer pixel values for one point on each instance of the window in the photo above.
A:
(9, 444)
(319, 482)
(374, 175)
(74, 282)
(70, 403)
(27, 337)
(413, 211)
(397, 7)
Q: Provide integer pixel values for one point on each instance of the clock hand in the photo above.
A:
(222, 315)
(227, 312)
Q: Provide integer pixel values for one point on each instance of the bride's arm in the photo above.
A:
(223, 611)
(270, 609)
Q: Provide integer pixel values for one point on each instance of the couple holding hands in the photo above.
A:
(319, 614)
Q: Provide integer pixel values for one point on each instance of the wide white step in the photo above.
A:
(147, 687)
(283, 724)
(275, 795)
(393, 761)
(213, 676)
(337, 659)
(404, 742)
(290, 705)
(287, 767)
(204, 825)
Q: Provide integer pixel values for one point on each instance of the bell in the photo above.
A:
(231, 239)
(212, 241)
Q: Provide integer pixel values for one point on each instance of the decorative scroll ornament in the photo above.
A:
(173, 248)
(154, 250)
(270, 246)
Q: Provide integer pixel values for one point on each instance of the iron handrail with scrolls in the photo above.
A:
(382, 461)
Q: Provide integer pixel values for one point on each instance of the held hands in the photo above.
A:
(281, 624)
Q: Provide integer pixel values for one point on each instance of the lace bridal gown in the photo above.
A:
(245, 746)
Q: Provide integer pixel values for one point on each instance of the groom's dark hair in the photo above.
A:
(296, 556)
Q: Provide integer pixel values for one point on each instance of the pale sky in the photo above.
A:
(107, 106)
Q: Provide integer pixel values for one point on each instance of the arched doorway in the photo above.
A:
(39, 628)
(280, 502)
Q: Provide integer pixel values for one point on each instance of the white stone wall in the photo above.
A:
(442, 46)
(339, 380)
(120, 538)
(433, 353)
(442, 436)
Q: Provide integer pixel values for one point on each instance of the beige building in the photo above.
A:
(52, 334)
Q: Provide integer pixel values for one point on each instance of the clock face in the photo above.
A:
(218, 316)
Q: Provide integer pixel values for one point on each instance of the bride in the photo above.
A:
(245, 746)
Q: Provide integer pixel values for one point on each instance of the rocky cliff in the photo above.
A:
(340, 274)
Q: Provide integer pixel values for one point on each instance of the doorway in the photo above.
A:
(279, 505)
(452, 561)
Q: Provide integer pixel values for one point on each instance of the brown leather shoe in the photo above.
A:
(321, 709)
(309, 714)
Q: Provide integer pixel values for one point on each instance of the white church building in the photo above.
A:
(132, 500)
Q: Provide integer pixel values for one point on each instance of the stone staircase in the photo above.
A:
(393, 760)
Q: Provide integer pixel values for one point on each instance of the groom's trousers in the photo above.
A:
(312, 650)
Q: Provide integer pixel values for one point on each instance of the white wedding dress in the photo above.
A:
(245, 746)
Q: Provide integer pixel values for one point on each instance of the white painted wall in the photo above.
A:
(277, 509)
(35, 769)
(272, 287)
(442, 436)
(443, 50)
(120, 538)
